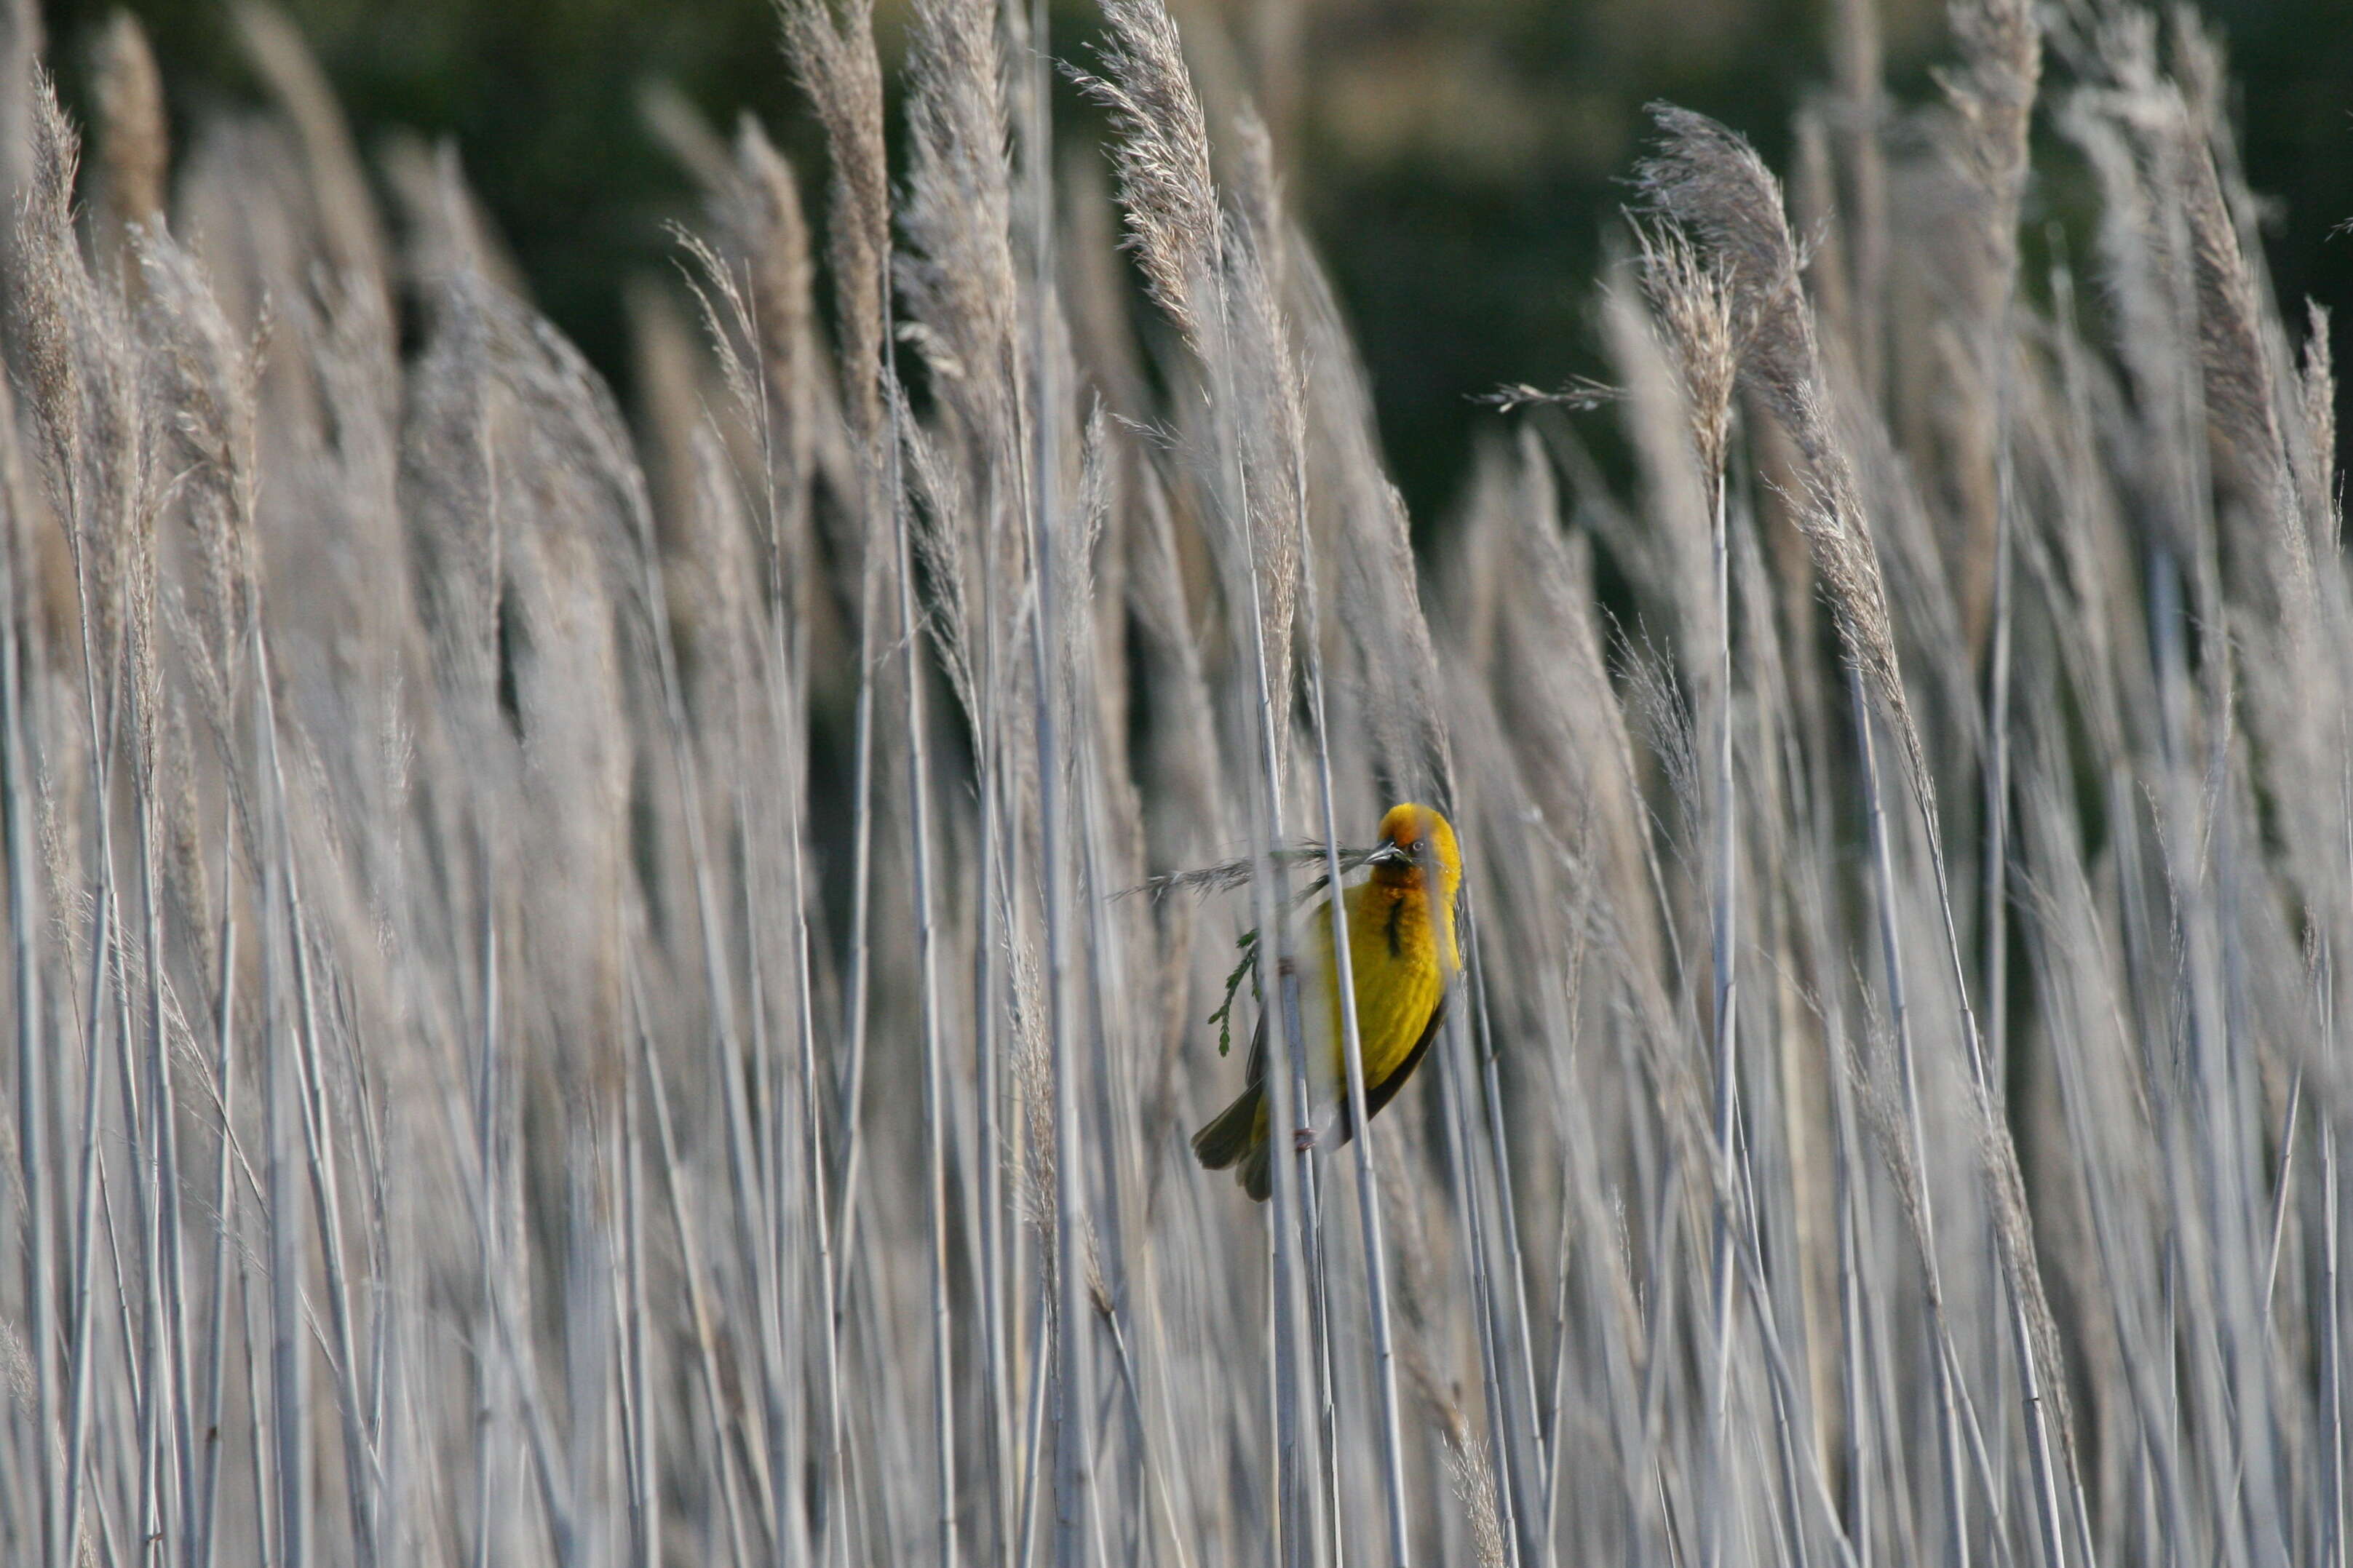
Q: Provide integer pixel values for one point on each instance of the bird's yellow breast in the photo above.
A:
(1401, 961)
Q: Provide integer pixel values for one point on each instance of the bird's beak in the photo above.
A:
(1388, 854)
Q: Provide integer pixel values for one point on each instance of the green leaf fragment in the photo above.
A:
(1224, 1016)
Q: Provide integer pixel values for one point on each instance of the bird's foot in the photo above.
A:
(1304, 1139)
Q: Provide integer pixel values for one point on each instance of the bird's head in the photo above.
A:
(1414, 838)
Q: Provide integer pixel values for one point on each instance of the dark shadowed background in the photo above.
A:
(1457, 161)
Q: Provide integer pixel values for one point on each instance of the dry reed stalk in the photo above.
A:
(346, 215)
(1213, 279)
(132, 147)
(1695, 309)
(1710, 181)
(1859, 114)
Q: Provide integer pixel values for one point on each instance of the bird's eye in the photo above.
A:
(1420, 846)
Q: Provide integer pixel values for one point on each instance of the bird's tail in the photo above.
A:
(1256, 1175)
(1237, 1135)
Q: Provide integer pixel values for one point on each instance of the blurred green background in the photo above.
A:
(1458, 161)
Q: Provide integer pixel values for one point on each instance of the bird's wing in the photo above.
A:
(1320, 923)
(1256, 1076)
(1379, 1094)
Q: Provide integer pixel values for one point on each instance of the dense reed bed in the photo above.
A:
(602, 986)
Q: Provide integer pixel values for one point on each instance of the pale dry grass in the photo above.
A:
(600, 985)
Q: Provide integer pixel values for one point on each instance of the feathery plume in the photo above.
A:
(1161, 151)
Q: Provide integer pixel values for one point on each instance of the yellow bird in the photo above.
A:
(1402, 958)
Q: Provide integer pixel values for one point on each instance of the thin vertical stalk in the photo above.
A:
(2332, 1402)
(1882, 855)
(2042, 1450)
(861, 898)
(639, 1409)
(104, 919)
(1523, 1467)
(167, 1295)
(200, 1553)
(1724, 943)
(1074, 1398)
(1287, 1101)
(83, 1278)
(1853, 1304)
(1073, 1401)
(257, 1415)
(692, 1267)
(827, 1498)
(767, 1267)
(935, 1107)
(1550, 1502)
(1464, 1167)
(35, 1087)
(359, 1450)
(1995, 875)
(1369, 1213)
(1288, 1108)
(488, 1213)
(1033, 1444)
(988, 767)
(1308, 1360)
(151, 1389)
(288, 1263)
(2332, 1359)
